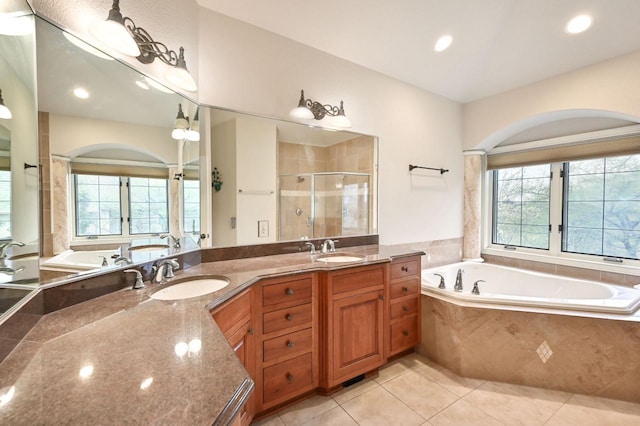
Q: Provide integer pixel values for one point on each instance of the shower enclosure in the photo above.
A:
(319, 205)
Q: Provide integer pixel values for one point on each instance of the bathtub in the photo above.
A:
(71, 260)
(517, 287)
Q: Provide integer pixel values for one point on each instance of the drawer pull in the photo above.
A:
(290, 344)
(405, 308)
(251, 331)
(289, 378)
(381, 297)
(289, 317)
(405, 333)
(404, 269)
(405, 289)
(289, 291)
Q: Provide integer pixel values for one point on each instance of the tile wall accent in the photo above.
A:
(472, 204)
(570, 271)
(46, 231)
(590, 356)
(438, 252)
(60, 204)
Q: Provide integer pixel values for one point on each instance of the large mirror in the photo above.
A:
(115, 176)
(275, 180)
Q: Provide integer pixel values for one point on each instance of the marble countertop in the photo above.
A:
(126, 358)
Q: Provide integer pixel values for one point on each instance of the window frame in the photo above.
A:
(125, 234)
(554, 255)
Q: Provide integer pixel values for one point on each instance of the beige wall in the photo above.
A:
(608, 89)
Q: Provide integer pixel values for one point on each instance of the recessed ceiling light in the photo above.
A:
(578, 24)
(443, 43)
(142, 85)
(80, 93)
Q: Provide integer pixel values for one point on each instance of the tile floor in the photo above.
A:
(416, 391)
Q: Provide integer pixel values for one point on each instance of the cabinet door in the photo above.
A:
(242, 342)
(358, 336)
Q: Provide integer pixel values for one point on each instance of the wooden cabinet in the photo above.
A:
(404, 305)
(353, 323)
(235, 321)
(287, 356)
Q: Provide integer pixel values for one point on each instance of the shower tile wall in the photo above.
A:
(354, 155)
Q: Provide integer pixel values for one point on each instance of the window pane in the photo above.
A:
(521, 206)
(148, 206)
(602, 207)
(97, 205)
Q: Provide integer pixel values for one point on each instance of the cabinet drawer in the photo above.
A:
(405, 288)
(404, 334)
(287, 378)
(287, 318)
(229, 316)
(402, 268)
(358, 279)
(296, 291)
(406, 306)
(288, 346)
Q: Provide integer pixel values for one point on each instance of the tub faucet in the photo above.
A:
(176, 241)
(163, 270)
(458, 285)
(5, 246)
(476, 290)
(10, 271)
(441, 281)
(122, 260)
(329, 246)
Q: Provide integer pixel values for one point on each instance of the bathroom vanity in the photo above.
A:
(285, 326)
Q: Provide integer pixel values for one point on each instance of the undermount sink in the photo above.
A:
(192, 288)
(149, 247)
(340, 258)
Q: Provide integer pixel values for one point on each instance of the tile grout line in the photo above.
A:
(558, 410)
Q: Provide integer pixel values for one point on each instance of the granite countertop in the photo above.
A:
(126, 358)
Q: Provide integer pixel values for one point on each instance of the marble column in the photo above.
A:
(60, 204)
(472, 244)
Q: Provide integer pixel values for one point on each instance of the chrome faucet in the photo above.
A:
(122, 260)
(441, 285)
(312, 247)
(458, 285)
(5, 246)
(329, 246)
(138, 284)
(163, 270)
(176, 241)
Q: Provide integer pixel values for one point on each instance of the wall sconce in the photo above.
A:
(4, 111)
(185, 130)
(308, 109)
(122, 34)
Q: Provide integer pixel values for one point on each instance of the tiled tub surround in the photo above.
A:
(574, 353)
(113, 359)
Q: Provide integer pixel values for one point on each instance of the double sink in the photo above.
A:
(199, 286)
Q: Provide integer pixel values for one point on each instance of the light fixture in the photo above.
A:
(81, 93)
(139, 43)
(185, 130)
(85, 46)
(4, 111)
(578, 24)
(308, 109)
(443, 43)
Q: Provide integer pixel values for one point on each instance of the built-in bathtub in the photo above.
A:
(71, 260)
(533, 329)
(510, 286)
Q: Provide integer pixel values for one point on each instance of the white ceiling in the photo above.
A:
(497, 44)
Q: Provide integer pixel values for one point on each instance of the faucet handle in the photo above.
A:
(476, 290)
(104, 261)
(138, 284)
(171, 265)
